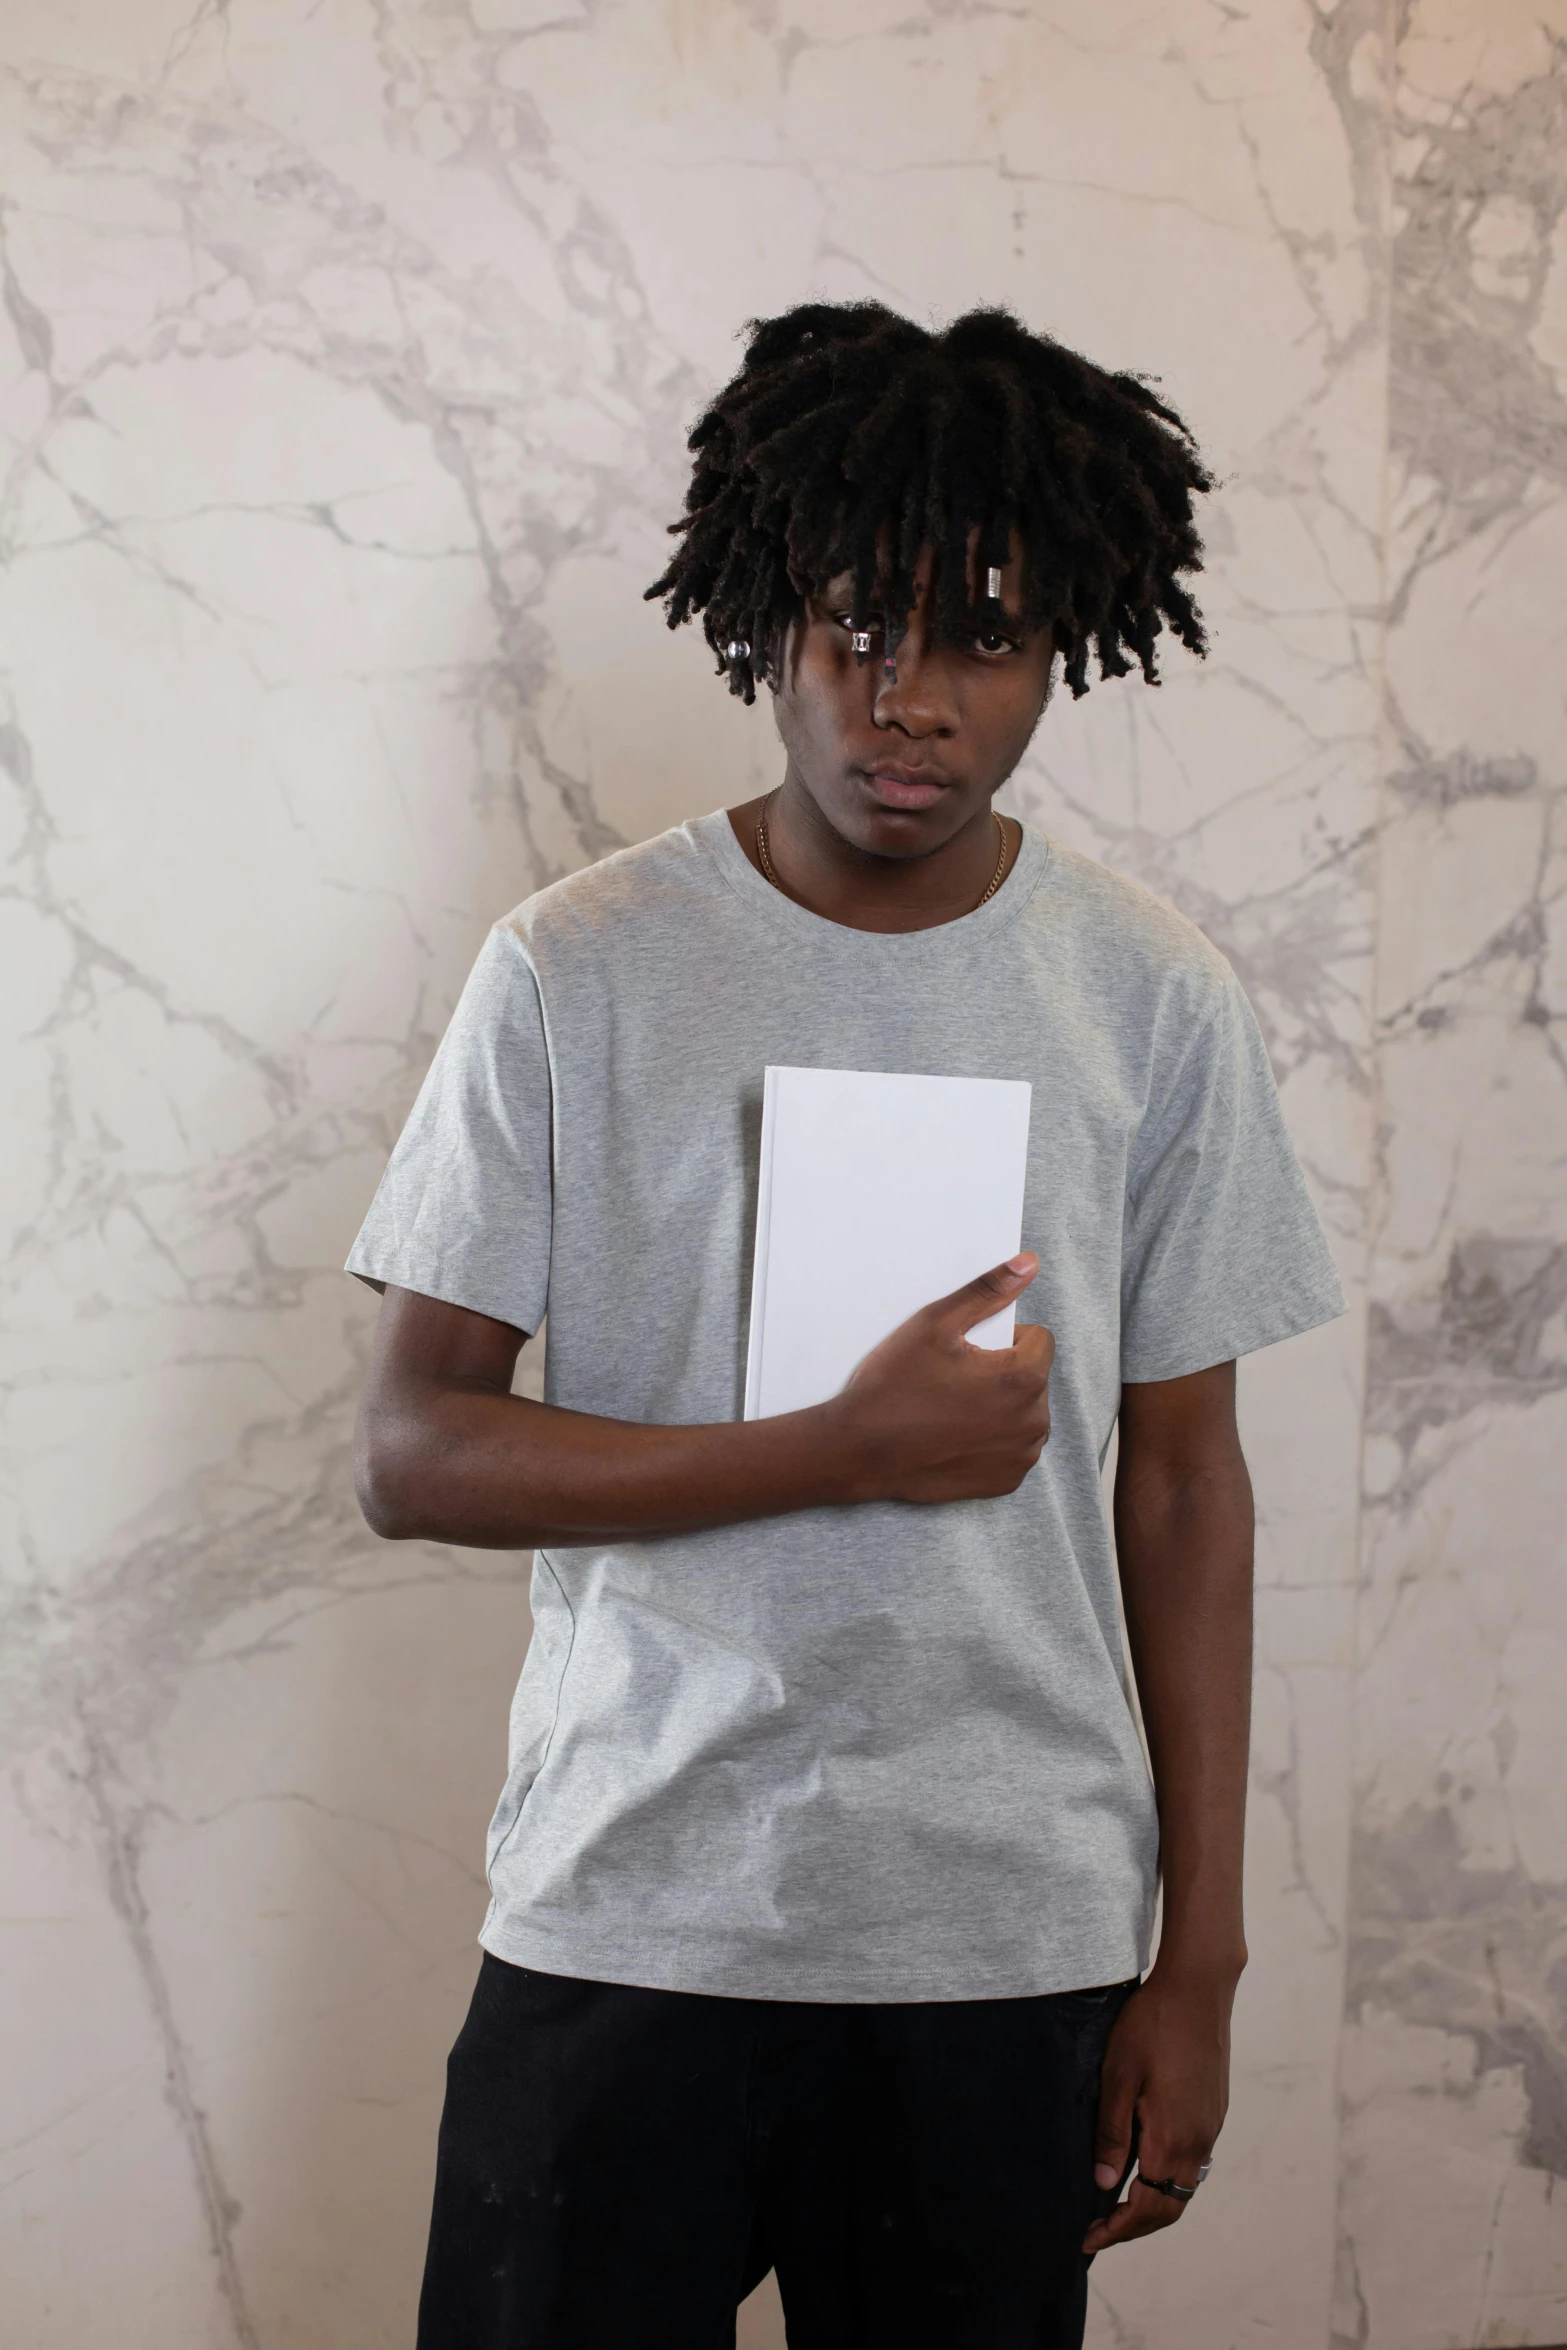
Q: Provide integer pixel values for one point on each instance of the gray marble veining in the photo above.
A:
(346, 353)
(1456, 1997)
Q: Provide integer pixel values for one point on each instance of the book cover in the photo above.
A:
(879, 1192)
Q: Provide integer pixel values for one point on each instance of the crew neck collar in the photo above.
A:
(716, 834)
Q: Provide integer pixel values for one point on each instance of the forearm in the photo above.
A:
(502, 1472)
(445, 1452)
(1184, 1532)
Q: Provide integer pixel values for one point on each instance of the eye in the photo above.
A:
(992, 642)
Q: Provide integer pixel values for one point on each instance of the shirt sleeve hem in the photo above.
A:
(380, 1273)
(1142, 1369)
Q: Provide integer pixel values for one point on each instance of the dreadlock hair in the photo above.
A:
(852, 438)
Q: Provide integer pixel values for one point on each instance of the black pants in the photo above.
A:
(619, 2167)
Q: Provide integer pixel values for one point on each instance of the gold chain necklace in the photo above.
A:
(766, 862)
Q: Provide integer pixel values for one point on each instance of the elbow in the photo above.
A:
(380, 1508)
(383, 1486)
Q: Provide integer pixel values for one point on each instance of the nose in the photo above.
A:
(916, 698)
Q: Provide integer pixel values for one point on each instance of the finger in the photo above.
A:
(1169, 2147)
(1142, 2213)
(1146, 2208)
(977, 1300)
(1035, 1345)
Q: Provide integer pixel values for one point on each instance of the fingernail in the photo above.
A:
(1023, 1264)
(1105, 2174)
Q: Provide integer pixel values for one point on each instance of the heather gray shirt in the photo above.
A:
(875, 1753)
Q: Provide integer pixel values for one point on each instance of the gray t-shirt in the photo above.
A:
(872, 1753)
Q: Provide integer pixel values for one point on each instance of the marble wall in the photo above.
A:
(346, 354)
(1454, 2062)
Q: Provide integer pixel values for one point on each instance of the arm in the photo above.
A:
(446, 1452)
(1183, 1525)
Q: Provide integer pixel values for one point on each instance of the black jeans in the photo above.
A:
(618, 2167)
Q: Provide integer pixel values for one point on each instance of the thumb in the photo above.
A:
(986, 1294)
(1113, 2128)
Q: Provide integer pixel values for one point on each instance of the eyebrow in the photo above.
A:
(1011, 615)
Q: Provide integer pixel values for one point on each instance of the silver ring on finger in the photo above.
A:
(1172, 2187)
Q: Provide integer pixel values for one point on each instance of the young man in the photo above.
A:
(824, 1874)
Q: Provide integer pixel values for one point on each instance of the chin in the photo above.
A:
(908, 830)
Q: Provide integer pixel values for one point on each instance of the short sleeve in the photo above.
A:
(1222, 1250)
(463, 1212)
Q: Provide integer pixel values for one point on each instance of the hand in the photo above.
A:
(929, 1418)
(1167, 2064)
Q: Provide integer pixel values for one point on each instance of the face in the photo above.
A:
(897, 765)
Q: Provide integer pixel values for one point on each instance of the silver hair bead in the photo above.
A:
(993, 583)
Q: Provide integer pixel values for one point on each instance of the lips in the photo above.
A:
(904, 787)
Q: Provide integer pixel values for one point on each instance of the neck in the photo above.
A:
(828, 875)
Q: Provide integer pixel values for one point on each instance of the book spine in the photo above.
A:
(764, 1208)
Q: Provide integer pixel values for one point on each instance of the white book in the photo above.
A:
(879, 1193)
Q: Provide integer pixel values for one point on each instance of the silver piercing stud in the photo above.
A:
(861, 641)
(993, 583)
(737, 649)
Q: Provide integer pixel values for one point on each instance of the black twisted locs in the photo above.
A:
(852, 439)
